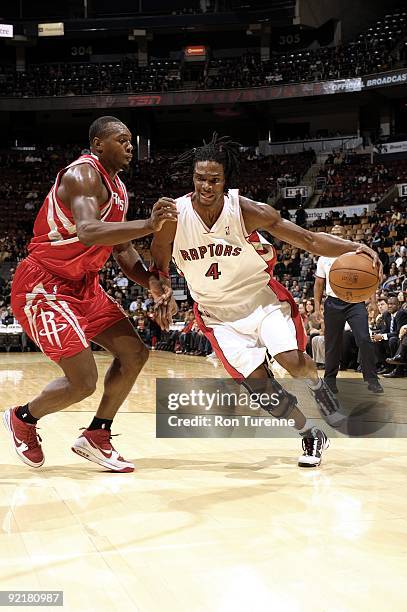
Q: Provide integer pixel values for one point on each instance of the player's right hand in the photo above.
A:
(163, 210)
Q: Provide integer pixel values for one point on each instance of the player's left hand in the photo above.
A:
(164, 304)
(161, 292)
(163, 314)
(363, 248)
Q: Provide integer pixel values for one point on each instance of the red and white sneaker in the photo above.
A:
(95, 445)
(25, 439)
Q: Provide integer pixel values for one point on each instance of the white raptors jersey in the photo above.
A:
(227, 270)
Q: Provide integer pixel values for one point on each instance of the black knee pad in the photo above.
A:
(284, 402)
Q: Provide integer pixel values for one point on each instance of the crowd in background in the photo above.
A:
(350, 179)
(75, 79)
(294, 268)
(382, 47)
(345, 179)
(26, 176)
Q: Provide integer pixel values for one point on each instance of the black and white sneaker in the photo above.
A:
(314, 441)
(328, 405)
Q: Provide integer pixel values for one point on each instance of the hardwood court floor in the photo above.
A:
(208, 525)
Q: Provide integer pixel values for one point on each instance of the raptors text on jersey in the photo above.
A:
(227, 270)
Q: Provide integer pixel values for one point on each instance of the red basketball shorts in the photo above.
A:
(61, 315)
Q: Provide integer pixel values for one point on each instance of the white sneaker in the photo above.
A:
(95, 446)
(314, 441)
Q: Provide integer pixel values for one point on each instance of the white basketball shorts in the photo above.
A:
(241, 345)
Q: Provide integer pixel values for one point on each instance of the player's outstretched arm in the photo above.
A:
(161, 247)
(257, 215)
(161, 254)
(83, 191)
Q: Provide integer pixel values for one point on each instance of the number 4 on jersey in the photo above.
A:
(213, 271)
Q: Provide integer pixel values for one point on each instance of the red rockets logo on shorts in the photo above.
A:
(211, 250)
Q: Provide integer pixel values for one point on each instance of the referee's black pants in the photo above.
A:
(336, 313)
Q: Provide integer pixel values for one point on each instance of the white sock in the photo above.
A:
(308, 425)
(314, 386)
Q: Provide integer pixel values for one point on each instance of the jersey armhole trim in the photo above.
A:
(61, 174)
(245, 233)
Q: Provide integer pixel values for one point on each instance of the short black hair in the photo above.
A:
(221, 149)
(99, 128)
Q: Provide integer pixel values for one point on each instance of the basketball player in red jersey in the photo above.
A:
(57, 298)
(239, 306)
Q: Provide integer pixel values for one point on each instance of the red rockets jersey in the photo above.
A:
(55, 245)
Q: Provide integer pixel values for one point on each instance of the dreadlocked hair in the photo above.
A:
(221, 149)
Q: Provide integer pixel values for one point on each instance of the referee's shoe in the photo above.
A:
(373, 385)
(328, 406)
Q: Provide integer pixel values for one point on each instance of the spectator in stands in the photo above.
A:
(285, 213)
(153, 330)
(121, 281)
(142, 330)
(8, 317)
(301, 216)
(148, 302)
(387, 337)
(298, 199)
(400, 358)
(185, 337)
(384, 258)
(314, 325)
(382, 308)
(318, 346)
(136, 305)
(303, 313)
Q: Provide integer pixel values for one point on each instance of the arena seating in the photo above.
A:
(381, 47)
(376, 50)
(353, 179)
(26, 176)
(85, 78)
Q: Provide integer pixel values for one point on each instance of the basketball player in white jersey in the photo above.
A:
(242, 310)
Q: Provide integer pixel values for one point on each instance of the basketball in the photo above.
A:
(353, 278)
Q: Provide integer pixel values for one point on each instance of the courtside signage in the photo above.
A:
(385, 79)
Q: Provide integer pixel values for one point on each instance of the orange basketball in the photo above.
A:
(353, 278)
